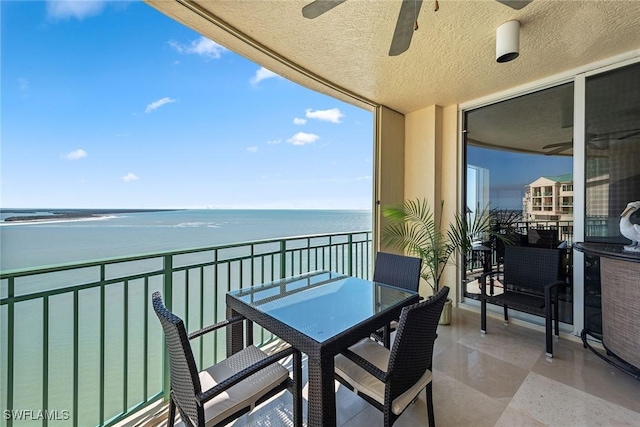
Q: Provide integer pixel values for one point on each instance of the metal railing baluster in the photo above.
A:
(292, 256)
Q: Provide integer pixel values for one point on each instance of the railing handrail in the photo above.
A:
(110, 288)
(28, 271)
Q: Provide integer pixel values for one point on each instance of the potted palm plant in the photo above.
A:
(413, 229)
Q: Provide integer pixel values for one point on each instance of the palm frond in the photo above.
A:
(412, 228)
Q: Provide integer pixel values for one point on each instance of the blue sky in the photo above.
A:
(115, 105)
(510, 172)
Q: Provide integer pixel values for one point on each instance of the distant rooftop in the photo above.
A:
(567, 177)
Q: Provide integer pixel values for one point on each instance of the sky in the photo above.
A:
(115, 105)
(510, 172)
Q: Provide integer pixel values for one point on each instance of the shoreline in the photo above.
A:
(55, 220)
(41, 216)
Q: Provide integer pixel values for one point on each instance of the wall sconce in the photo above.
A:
(508, 41)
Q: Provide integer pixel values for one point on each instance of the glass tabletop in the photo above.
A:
(322, 304)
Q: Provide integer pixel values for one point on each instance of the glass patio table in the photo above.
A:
(321, 314)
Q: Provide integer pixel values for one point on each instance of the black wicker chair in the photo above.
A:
(531, 279)
(391, 379)
(233, 386)
(396, 270)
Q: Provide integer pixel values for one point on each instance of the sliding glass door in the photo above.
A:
(612, 169)
(519, 166)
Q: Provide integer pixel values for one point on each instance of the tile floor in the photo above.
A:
(499, 379)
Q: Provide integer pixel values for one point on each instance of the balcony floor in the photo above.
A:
(499, 379)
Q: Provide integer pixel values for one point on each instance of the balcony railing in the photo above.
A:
(80, 342)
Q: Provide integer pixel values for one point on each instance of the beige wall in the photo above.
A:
(390, 164)
(432, 167)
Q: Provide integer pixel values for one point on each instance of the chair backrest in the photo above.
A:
(412, 351)
(530, 268)
(397, 270)
(185, 383)
(542, 238)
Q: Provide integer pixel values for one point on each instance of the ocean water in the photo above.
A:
(38, 244)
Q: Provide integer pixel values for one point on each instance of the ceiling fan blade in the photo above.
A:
(631, 135)
(558, 144)
(558, 150)
(318, 7)
(598, 145)
(409, 12)
(515, 4)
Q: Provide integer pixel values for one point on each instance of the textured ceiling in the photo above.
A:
(452, 55)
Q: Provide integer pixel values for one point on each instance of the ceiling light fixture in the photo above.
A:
(508, 41)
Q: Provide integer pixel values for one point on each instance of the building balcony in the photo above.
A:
(81, 340)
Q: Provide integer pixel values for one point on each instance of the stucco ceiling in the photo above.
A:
(451, 58)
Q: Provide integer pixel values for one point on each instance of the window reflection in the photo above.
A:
(519, 156)
(612, 150)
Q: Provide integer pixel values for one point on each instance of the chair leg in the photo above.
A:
(506, 314)
(172, 413)
(548, 325)
(483, 315)
(556, 316)
(430, 413)
(297, 389)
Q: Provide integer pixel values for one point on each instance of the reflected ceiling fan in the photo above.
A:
(406, 23)
(595, 141)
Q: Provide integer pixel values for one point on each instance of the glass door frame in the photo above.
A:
(578, 77)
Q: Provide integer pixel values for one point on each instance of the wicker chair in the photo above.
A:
(391, 379)
(532, 278)
(233, 386)
(396, 270)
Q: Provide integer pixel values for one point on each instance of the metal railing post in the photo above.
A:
(10, 347)
(283, 259)
(167, 292)
(350, 249)
(91, 284)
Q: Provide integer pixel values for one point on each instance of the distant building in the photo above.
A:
(549, 198)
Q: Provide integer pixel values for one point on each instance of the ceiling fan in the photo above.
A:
(594, 141)
(406, 23)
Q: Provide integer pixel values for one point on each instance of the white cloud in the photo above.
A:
(333, 115)
(302, 138)
(129, 177)
(202, 46)
(65, 9)
(252, 149)
(263, 74)
(274, 141)
(75, 155)
(159, 103)
(298, 121)
(23, 84)
(364, 178)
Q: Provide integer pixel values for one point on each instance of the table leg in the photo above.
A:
(322, 396)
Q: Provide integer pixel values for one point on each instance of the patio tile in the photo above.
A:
(457, 404)
(483, 372)
(579, 368)
(553, 403)
(501, 379)
(516, 345)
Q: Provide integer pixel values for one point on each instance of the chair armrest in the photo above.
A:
(244, 374)
(548, 289)
(366, 365)
(549, 286)
(222, 324)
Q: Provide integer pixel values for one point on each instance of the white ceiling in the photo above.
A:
(452, 55)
